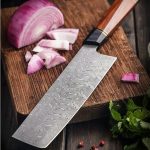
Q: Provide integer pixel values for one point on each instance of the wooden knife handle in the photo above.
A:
(115, 14)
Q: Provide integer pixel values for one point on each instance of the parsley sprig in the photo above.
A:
(134, 124)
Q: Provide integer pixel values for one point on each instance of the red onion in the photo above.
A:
(32, 20)
(130, 77)
(56, 61)
(72, 30)
(48, 58)
(28, 56)
(39, 49)
(56, 44)
(35, 64)
(47, 54)
(60, 35)
(51, 57)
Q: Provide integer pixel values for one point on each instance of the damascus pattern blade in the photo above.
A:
(65, 97)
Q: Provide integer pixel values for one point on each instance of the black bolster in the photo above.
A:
(96, 37)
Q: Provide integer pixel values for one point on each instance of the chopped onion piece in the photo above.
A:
(28, 56)
(39, 49)
(35, 64)
(56, 44)
(130, 77)
(48, 55)
(72, 30)
(52, 58)
(56, 61)
(32, 20)
(59, 35)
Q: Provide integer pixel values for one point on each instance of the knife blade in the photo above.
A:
(74, 85)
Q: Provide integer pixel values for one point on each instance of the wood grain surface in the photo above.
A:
(129, 28)
(27, 90)
(91, 133)
(116, 13)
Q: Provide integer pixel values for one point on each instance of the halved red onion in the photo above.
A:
(35, 64)
(60, 35)
(56, 44)
(130, 77)
(32, 20)
(28, 56)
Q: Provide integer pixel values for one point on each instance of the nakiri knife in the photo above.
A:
(74, 85)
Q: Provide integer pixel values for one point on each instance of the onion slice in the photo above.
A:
(32, 20)
(28, 56)
(60, 35)
(47, 54)
(35, 64)
(56, 44)
(51, 57)
(56, 61)
(39, 49)
(130, 77)
(72, 30)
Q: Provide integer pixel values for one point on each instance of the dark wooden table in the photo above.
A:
(137, 28)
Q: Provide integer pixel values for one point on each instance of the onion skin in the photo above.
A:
(31, 21)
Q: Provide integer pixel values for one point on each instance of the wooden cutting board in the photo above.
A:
(27, 90)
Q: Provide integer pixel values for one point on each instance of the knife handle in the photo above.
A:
(115, 14)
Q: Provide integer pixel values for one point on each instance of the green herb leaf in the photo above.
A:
(145, 125)
(115, 114)
(133, 121)
(131, 105)
(134, 124)
(131, 147)
(115, 131)
(146, 142)
(142, 113)
(111, 105)
(119, 125)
